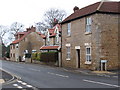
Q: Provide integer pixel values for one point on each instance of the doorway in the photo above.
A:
(103, 65)
(78, 58)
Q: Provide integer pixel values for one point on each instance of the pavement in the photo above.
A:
(112, 73)
(5, 77)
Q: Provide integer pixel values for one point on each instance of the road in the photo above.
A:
(41, 76)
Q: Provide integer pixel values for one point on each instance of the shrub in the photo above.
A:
(34, 55)
(38, 56)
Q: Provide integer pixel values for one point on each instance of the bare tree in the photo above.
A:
(3, 31)
(49, 17)
(14, 29)
(41, 27)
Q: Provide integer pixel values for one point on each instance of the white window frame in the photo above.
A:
(88, 25)
(68, 52)
(69, 29)
(88, 55)
(57, 37)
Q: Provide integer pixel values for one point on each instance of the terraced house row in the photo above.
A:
(87, 39)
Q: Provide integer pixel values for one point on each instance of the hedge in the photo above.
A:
(45, 56)
(49, 56)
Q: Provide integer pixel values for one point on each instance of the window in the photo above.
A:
(57, 37)
(14, 55)
(88, 24)
(69, 29)
(68, 53)
(13, 46)
(88, 54)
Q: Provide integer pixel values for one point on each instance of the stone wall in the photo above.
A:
(32, 41)
(103, 40)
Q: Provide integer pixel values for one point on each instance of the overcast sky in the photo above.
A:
(28, 12)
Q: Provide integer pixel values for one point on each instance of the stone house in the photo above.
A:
(26, 42)
(90, 37)
(53, 36)
(52, 41)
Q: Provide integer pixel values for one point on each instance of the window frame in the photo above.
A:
(88, 55)
(88, 25)
(68, 53)
(69, 29)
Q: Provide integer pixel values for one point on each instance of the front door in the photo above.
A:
(78, 57)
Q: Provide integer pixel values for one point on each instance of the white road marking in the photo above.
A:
(19, 81)
(101, 83)
(19, 87)
(99, 75)
(34, 69)
(115, 76)
(58, 75)
(29, 86)
(15, 85)
(24, 83)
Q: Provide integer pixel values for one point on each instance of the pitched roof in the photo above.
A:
(50, 48)
(21, 33)
(42, 35)
(18, 40)
(52, 31)
(101, 7)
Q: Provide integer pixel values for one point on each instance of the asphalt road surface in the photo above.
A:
(41, 76)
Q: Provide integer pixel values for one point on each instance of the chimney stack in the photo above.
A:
(75, 8)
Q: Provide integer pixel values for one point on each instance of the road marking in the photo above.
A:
(34, 69)
(29, 86)
(19, 81)
(101, 83)
(15, 85)
(24, 83)
(13, 76)
(115, 76)
(58, 75)
(19, 87)
(99, 75)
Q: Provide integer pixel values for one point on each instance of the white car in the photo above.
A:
(23, 59)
